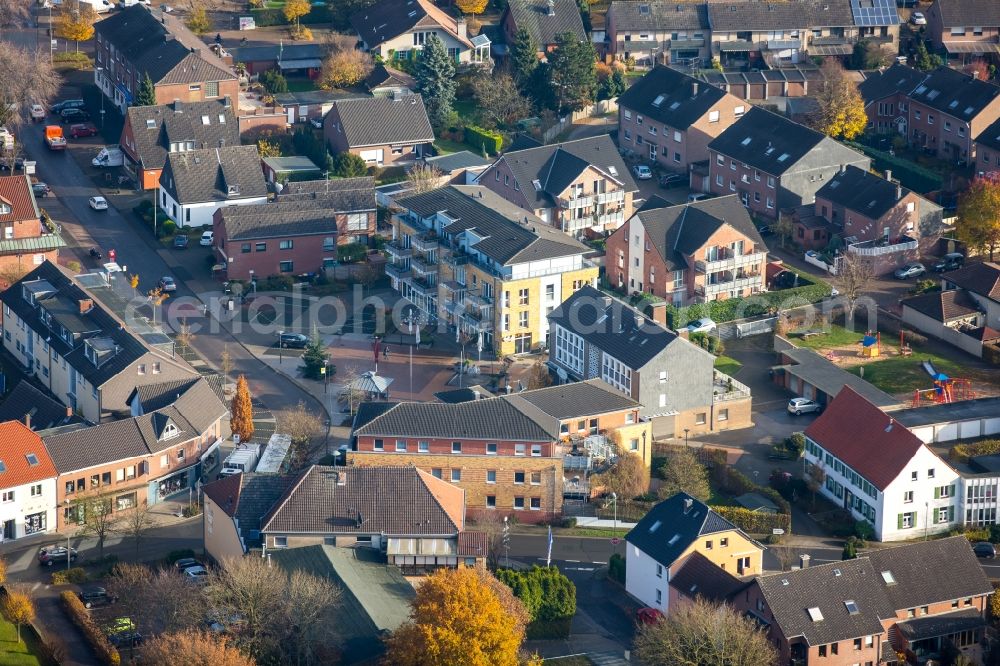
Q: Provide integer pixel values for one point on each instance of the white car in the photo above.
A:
(37, 112)
(803, 406)
(198, 575)
(642, 172)
(98, 203)
(701, 326)
(918, 18)
(207, 238)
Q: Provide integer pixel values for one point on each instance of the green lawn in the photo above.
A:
(13, 653)
(592, 532)
(301, 85)
(900, 374)
(837, 336)
(726, 365)
(466, 108)
(445, 146)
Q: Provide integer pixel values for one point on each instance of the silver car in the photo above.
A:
(803, 406)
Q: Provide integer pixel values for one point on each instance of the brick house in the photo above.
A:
(25, 240)
(876, 217)
(158, 451)
(544, 20)
(580, 186)
(658, 32)
(84, 355)
(663, 252)
(965, 29)
(27, 483)
(774, 164)
(396, 30)
(987, 149)
(596, 336)
(294, 234)
(151, 133)
(869, 609)
(355, 197)
(671, 117)
(196, 183)
(379, 130)
(288, 59)
(136, 41)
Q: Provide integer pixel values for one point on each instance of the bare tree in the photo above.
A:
(246, 588)
(491, 523)
(628, 477)
(310, 605)
(26, 78)
(500, 101)
(96, 513)
(423, 178)
(784, 553)
(185, 337)
(815, 480)
(226, 362)
(854, 277)
(13, 12)
(136, 522)
(158, 600)
(304, 427)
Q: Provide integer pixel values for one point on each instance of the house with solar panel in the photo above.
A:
(965, 30)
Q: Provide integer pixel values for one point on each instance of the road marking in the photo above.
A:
(574, 561)
(597, 563)
(578, 568)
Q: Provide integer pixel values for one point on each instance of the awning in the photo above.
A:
(831, 50)
(736, 46)
(972, 47)
(35, 244)
(782, 44)
(210, 450)
(369, 382)
(307, 63)
(941, 625)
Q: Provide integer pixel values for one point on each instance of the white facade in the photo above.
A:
(954, 430)
(646, 579)
(28, 509)
(197, 214)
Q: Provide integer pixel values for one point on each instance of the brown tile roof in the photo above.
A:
(943, 306)
(979, 278)
(472, 544)
(870, 441)
(16, 192)
(366, 500)
(226, 493)
(984, 334)
(698, 576)
(17, 442)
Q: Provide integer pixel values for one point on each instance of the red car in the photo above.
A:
(648, 615)
(82, 129)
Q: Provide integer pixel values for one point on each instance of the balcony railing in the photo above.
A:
(726, 388)
(425, 287)
(397, 271)
(424, 266)
(425, 242)
(617, 219)
(455, 258)
(478, 300)
(454, 287)
(730, 263)
(397, 251)
(879, 248)
(477, 325)
(616, 196)
(737, 284)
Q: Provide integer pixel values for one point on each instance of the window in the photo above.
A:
(141, 368)
(285, 266)
(908, 497)
(156, 367)
(211, 89)
(905, 520)
(519, 478)
(522, 297)
(699, 418)
(708, 545)
(8, 496)
(633, 444)
(491, 448)
(379, 445)
(770, 202)
(659, 571)
(423, 447)
(522, 319)
(456, 447)
(280, 542)
(491, 476)
(536, 503)
(930, 473)
(245, 248)
(913, 476)
(401, 446)
(36, 490)
(770, 182)
(519, 449)
(518, 502)
(491, 501)
(659, 597)
(260, 247)
(677, 136)
(536, 449)
(456, 475)
(436, 472)
(328, 243)
(285, 245)
(857, 643)
(723, 414)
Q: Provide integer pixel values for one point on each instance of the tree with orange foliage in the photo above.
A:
(192, 648)
(241, 411)
(18, 608)
(461, 617)
(472, 6)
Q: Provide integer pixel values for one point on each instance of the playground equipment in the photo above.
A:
(871, 345)
(946, 389)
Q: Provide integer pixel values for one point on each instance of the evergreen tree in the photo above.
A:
(523, 58)
(147, 93)
(241, 411)
(435, 76)
(347, 165)
(314, 358)
(572, 72)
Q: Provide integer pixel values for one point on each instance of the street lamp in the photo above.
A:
(686, 436)
(281, 344)
(614, 503)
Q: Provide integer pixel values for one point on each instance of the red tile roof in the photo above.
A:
(979, 278)
(226, 493)
(870, 441)
(15, 191)
(472, 544)
(17, 441)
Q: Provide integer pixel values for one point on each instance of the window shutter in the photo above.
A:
(936, 512)
(937, 493)
(951, 492)
(951, 514)
(899, 521)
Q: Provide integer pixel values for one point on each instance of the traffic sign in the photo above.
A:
(777, 531)
(615, 541)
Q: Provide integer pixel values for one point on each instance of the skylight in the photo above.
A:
(674, 539)
(746, 141)
(32, 459)
(659, 100)
(537, 184)
(968, 110)
(613, 171)
(205, 120)
(933, 94)
(655, 526)
(770, 149)
(835, 184)
(783, 157)
(675, 105)
(3, 467)
(921, 89)
(150, 123)
(888, 578)
(815, 615)
(954, 104)
(852, 607)
(836, 572)
(643, 9)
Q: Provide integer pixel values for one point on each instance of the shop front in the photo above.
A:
(163, 488)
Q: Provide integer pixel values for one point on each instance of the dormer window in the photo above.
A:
(5, 208)
(234, 190)
(205, 120)
(170, 431)
(150, 123)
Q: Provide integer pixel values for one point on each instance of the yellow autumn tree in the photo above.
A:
(241, 411)
(76, 22)
(198, 21)
(193, 648)
(296, 9)
(978, 224)
(345, 68)
(460, 617)
(840, 111)
(472, 6)
(18, 608)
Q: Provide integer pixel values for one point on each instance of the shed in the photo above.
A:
(279, 169)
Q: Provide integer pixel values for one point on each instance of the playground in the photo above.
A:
(910, 372)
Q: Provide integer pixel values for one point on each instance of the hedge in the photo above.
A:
(74, 575)
(910, 174)
(962, 452)
(547, 594)
(103, 648)
(490, 141)
(616, 568)
(732, 309)
(754, 522)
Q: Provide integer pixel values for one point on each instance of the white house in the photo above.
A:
(196, 183)
(27, 483)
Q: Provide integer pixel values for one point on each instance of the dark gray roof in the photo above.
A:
(680, 231)
(45, 411)
(455, 396)
(862, 192)
(670, 527)
(463, 159)
(60, 297)
(934, 626)
(490, 418)
(382, 76)
(557, 165)
(246, 498)
(943, 306)
(376, 121)
(968, 13)
(766, 16)
(980, 408)
(766, 141)
(158, 396)
(612, 326)
(955, 93)
(981, 278)
(366, 500)
(534, 16)
(698, 576)
(295, 163)
(898, 79)
(493, 218)
(155, 127)
(200, 176)
(630, 15)
(990, 137)
(830, 379)
(670, 97)
(575, 399)
(314, 97)
(391, 18)
(277, 52)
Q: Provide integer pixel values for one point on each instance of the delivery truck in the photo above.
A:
(243, 459)
(110, 156)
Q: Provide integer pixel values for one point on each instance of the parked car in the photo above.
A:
(98, 203)
(785, 280)
(180, 242)
(642, 172)
(167, 284)
(672, 180)
(40, 189)
(912, 269)
(50, 555)
(648, 615)
(95, 596)
(702, 326)
(799, 406)
(984, 549)
(82, 129)
(37, 113)
(59, 107)
(197, 574)
(949, 262)
(74, 116)
(316, 122)
(293, 340)
(207, 238)
(125, 639)
(918, 18)
(186, 563)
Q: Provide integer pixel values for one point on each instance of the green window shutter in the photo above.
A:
(899, 521)
(936, 512)
(951, 493)
(937, 493)
(951, 514)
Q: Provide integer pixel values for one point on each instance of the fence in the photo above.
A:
(595, 109)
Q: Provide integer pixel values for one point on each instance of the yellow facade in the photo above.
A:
(642, 433)
(726, 549)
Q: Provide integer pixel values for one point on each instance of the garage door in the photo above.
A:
(946, 433)
(663, 427)
(372, 156)
(969, 429)
(992, 427)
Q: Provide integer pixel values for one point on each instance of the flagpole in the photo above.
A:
(411, 372)
(548, 557)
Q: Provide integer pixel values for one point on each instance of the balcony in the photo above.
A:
(476, 324)
(397, 251)
(423, 286)
(454, 287)
(478, 300)
(397, 271)
(878, 248)
(610, 219)
(616, 196)
(730, 263)
(455, 258)
(726, 388)
(424, 266)
(737, 284)
(425, 242)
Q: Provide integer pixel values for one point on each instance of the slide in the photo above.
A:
(929, 368)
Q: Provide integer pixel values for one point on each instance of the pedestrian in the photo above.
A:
(385, 351)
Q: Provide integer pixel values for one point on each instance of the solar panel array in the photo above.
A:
(874, 12)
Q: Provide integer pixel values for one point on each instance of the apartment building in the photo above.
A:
(693, 253)
(26, 240)
(658, 32)
(597, 336)
(85, 356)
(487, 267)
(671, 117)
(580, 187)
(773, 164)
(965, 30)
(27, 483)
(137, 42)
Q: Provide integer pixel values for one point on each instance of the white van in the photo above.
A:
(110, 156)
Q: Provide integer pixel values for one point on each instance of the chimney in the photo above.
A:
(888, 175)
(462, 28)
(694, 89)
(86, 305)
(69, 412)
(843, 168)
(975, 74)
(27, 420)
(227, 102)
(177, 105)
(688, 503)
(899, 191)
(552, 8)
(804, 561)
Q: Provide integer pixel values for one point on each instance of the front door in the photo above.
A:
(9, 531)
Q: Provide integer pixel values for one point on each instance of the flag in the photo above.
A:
(375, 349)
(458, 332)
(479, 343)
(418, 333)
(548, 557)
(409, 323)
